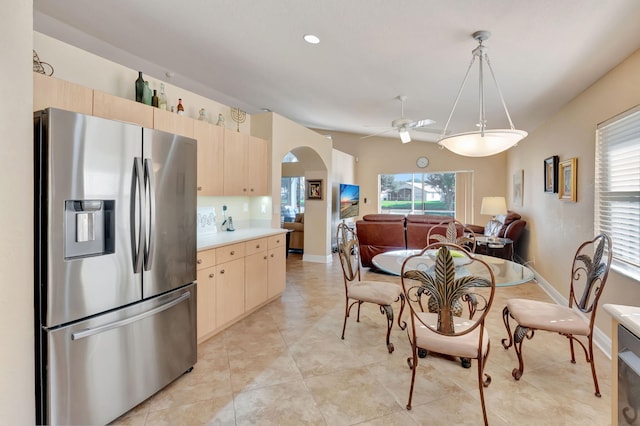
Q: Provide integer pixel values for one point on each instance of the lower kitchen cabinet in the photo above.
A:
(277, 267)
(229, 291)
(206, 276)
(256, 267)
(236, 279)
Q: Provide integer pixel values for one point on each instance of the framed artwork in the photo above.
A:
(518, 179)
(551, 174)
(567, 180)
(314, 189)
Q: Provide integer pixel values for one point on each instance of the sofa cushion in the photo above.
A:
(426, 218)
(383, 218)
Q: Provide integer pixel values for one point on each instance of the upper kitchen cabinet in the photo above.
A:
(245, 164)
(117, 108)
(210, 157)
(173, 123)
(56, 93)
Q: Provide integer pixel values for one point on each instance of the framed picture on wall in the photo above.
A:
(567, 180)
(518, 180)
(551, 174)
(314, 189)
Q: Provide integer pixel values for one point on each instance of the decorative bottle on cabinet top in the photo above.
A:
(146, 98)
(162, 98)
(154, 98)
(180, 107)
(139, 87)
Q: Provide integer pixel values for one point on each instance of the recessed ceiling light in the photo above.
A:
(311, 39)
(265, 109)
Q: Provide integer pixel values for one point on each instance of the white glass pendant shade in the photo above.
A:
(482, 142)
(474, 144)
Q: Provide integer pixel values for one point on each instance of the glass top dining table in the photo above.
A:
(506, 272)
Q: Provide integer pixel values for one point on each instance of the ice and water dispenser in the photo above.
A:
(89, 228)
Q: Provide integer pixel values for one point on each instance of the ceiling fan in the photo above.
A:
(402, 125)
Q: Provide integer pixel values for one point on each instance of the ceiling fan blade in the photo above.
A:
(378, 134)
(419, 123)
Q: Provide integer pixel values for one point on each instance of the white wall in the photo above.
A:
(285, 136)
(17, 402)
(556, 228)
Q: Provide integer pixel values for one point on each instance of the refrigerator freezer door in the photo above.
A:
(170, 242)
(84, 180)
(101, 368)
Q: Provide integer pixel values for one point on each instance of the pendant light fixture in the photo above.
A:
(482, 142)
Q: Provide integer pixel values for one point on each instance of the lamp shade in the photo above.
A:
(493, 206)
(475, 144)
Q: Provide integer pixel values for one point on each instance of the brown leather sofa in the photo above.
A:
(418, 226)
(379, 233)
(512, 227)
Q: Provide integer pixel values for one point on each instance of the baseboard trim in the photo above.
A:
(316, 259)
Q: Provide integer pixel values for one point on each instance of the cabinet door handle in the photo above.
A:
(257, 245)
(222, 271)
(265, 257)
(199, 188)
(277, 241)
(233, 252)
(271, 254)
(244, 189)
(211, 275)
(199, 261)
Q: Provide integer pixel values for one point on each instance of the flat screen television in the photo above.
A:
(349, 200)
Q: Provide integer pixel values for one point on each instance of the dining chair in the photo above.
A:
(358, 291)
(452, 231)
(575, 321)
(442, 331)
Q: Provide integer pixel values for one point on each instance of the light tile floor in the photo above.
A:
(286, 365)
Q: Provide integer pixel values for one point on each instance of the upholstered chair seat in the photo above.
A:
(380, 293)
(463, 346)
(548, 316)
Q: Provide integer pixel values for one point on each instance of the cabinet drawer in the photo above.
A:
(205, 259)
(230, 252)
(276, 241)
(255, 246)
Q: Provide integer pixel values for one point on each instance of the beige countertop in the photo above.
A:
(223, 238)
(629, 316)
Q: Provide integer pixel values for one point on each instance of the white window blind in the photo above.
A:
(617, 188)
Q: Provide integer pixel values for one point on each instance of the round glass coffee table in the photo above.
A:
(506, 272)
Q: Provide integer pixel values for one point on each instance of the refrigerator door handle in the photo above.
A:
(150, 192)
(138, 204)
(116, 324)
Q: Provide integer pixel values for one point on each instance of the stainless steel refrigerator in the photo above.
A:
(115, 250)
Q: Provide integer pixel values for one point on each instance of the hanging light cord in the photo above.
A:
(481, 53)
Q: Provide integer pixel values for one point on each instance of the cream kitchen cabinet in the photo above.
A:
(229, 283)
(245, 164)
(256, 272)
(206, 294)
(236, 279)
(276, 267)
(210, 157)
(117, 108)
(173, 123)
(56, 93)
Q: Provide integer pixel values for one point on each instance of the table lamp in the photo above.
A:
(493, 206)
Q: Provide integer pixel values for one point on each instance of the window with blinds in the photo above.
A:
(617, 188)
